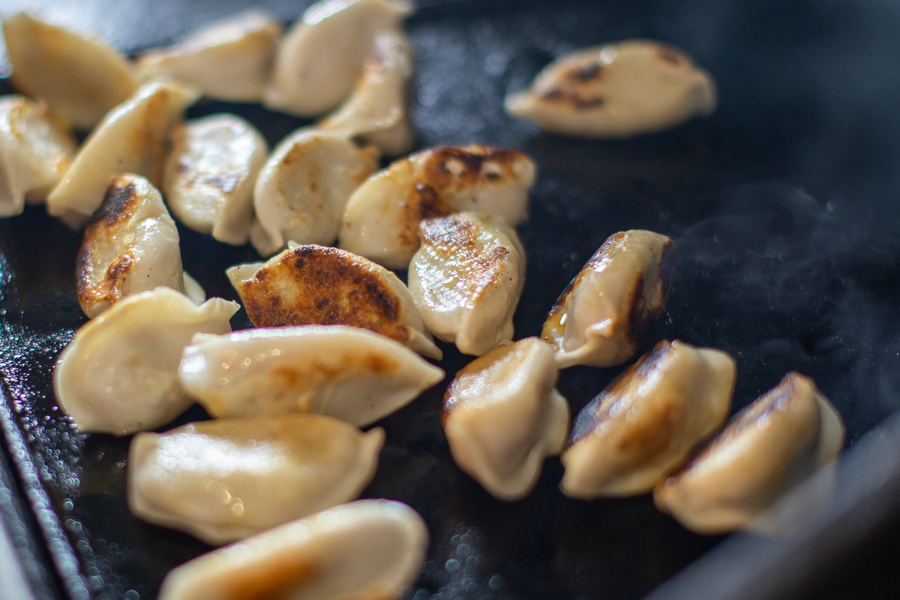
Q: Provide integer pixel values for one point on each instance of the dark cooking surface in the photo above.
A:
(782, 205)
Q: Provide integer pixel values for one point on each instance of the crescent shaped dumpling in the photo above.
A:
(228, 479)
(345, 372)
(376, 112)
(503, 417)
(467, 279)
(319, 285)
(210, 174)
(368, 549)
(303, 188)
(35, 152)
(769, 447)
(120, 373)
(646, 423)
(616, 91)
(80, 79)
(321, 58)
(382, 218)
(603, 316)
(229, 60)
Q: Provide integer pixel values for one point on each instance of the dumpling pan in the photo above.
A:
(783, 204)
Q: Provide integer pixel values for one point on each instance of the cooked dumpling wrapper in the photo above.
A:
(376, 113)
(79, 79)
(130, 245)
(503, 417)
(645, 423)
(34, 153)
(321, 58)
(382, 217)
(367, 549)
(319, 285)
(303, 188)
(345, 372)
(228, 479)
(467, 278)
(616, 91)
(604, 315)
(210, 174)
(120, 373)
(769, 447)
(230, 60)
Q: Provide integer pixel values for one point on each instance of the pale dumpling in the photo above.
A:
(35, 152)
(345, 372)
(303, 188)
(382, 217)
(368, 549)
(503, 417)
(320, 285)
(768, 448)
(210, 174)
(230, 60)
(120, 373)
(376, 113)
(80, 79)
(645, 424)
(228, 479)
(321, 58)
(133, 138)
(130, 245)
(467, 279)
(604, 315)
(616, 91)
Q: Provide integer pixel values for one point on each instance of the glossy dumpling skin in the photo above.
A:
(319, 285)
(467, 279)
(120, 373)
(645, 423)
(616, 91)
(303, 188)
(344, 372)
(230, 60)
(368, 549)
(210, 174)
(382, 218)
(503, 417)
(773, 444)
(35, 152)
(228, 479)
(604, 315)
(80, 79)
(130, 245)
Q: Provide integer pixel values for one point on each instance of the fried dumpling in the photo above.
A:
(321, 58)
(303, 188)
(365, 549)
(79, 79)
(616, 91)
(382, 218)
(319, 285)
(604, 315)
(345, 372)
(645, 423)
(228, 479)
(376, 112)
(503, 417)
(210, 174)
(133, 138)
(467, 278)
(35, 152)
(120, 373)
(768, 448)
(230, 60)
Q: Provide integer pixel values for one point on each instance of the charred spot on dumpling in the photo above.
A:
(671, 55)
(648, 308)
(422, 202)
(452, 168)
